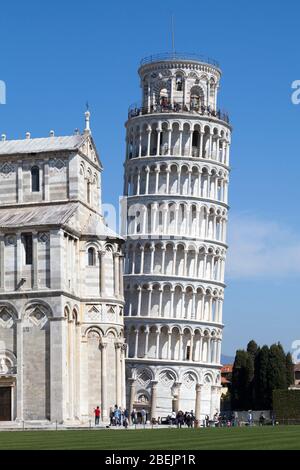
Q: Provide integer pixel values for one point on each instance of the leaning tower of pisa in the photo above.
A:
(176, 183)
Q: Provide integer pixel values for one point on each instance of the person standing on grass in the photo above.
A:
(133, 417)
(143, 413)
(97, 415)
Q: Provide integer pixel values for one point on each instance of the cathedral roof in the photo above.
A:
(37, 215)
(56, 215)
(45, 144)
(96, 226)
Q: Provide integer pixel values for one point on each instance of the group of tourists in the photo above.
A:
(166, 106)
(181, 418)
(119, 416)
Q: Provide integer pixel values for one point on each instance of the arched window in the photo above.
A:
(179, 82)
(91, 257)
(35, 179)
(164, 97)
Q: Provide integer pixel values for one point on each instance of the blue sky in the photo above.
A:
(54, 56)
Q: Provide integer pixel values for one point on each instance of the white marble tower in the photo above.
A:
(176, 183)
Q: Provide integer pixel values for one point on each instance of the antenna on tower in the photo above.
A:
(173, 35)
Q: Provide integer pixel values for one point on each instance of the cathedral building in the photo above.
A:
(62, 349)
(176, 186)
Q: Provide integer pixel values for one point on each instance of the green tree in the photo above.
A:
(256, 373)
(261, 378)
(277, 377)
(252, 350)
(289, 369)
(241, 374)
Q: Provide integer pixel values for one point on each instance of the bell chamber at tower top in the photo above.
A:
(175, 83)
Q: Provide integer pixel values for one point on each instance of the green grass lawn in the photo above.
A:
(268, 437)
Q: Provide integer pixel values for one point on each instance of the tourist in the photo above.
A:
(143, 414)
(116, 419)
(180, 419)
(262, 419)
(97, 415)
(125, 418)
(216, 419)
(133, 416)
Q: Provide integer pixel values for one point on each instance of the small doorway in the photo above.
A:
(5, 403)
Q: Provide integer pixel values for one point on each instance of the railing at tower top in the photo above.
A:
(135, 110)
(179, 56)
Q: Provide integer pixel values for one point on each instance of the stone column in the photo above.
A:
(102, 274)
(157, 344)
(2, 263)
(190, 143)
(57, 368)
(136, 343)
(133, 261)
(169, 357)
(57, 266)
(201, 145)
(146, 343)
(168, 181)
(201, 349)
(160, 302)
(46, 182)
(198, 402)
(140, 144)
(19, 391)
(139, 300)
(121, 279)
(35, 260)
(180, 141)
(158, 142)
(148, 142)
(123, 374)
(174, 261)
(118, 374)
(19, 259)
(116, 275)
(172, 312)
(149, 300)
(103, 346)
(172, 91)
(152, 249)
(191, 347)
(169, 141)
(147, 181)
(142, 259)
(185, 262)
(83, 405)
(157, 171)
(180, 346)
(154, 399)
(132, 383)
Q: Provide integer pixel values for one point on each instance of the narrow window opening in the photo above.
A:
(27, 243)
(91, 257)
(35, 179)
